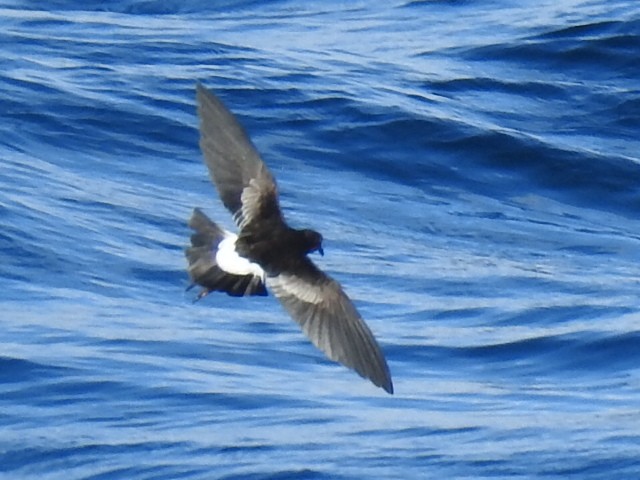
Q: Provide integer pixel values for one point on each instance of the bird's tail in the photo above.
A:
(203, 267)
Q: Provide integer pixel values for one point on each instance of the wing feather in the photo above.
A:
(330, 320)
(245, 185)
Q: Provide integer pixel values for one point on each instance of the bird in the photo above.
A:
(266, 254)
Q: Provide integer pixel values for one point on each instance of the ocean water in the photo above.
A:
(474, 168)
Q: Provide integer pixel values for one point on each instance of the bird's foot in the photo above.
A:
(203, 293)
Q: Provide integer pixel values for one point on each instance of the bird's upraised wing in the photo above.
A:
(330, 320)
(245, 185)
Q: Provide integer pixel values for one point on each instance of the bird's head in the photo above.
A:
(313, 241)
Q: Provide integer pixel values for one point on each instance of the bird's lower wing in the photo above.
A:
(332, 323)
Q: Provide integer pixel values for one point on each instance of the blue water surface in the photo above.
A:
(474, 168)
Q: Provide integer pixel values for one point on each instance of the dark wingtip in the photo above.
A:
(388, 387)
(381, 376)
(383, 379)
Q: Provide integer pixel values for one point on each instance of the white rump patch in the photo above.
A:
(229, 260)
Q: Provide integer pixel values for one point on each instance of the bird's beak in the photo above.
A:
(321, 251)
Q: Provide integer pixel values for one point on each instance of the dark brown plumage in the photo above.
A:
(269, 252)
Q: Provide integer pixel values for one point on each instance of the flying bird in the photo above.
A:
(268, 255)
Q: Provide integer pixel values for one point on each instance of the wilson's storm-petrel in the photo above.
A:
(267, 253)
